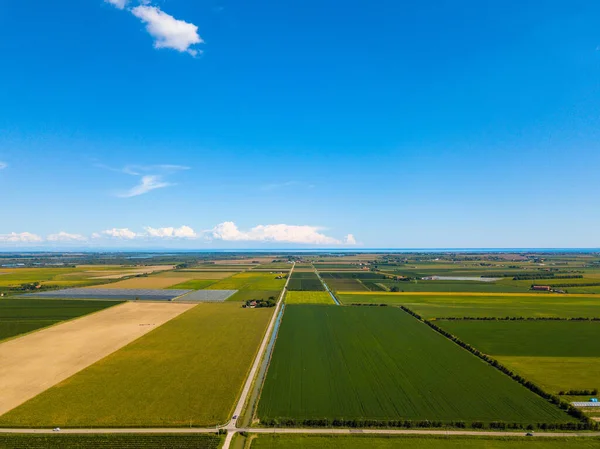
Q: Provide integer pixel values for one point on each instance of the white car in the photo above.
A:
(56, 429)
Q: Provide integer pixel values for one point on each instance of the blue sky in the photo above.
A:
(231, 124)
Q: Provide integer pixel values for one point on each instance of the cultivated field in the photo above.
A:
(187, 372)
(305, 281)
(440, 305)
(381, 363)
(245, 295)
(194, 284)
(196, 274)
(417, 442)
(35, 362)
(250, 281)
(557, 355)
(154, 282)
(109, 441)
(302, 297)
(19, 316)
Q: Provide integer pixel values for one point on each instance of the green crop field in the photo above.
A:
(557, 355)
(246, 295)
(251, 280)
(19, 316)
(381, 363)
(297, 297)
(305, 281)
(187, 372)
(418, 442)
(110, 441)
(345, 285)
(440, 305)
(194, 284)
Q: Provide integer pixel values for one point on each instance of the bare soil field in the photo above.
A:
(147, 282)
(35, 362)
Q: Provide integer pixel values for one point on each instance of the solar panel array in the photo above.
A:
(207, 296)
(112, 293)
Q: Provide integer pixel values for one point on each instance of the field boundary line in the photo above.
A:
(531, 295)
(337, 301)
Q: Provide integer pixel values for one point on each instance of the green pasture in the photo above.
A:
(381, 363)
(485, 305)
(19, 316)
(195, 284)
(187, 372)
(246, 295)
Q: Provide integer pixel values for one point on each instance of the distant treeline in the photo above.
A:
(589, 284)
(585, 421)
(526, 277)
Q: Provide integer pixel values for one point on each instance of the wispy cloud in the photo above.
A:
(151, 177)
(147, 184)
(118, 3)
(281, 185)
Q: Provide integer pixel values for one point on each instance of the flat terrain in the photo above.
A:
(252, 280)
(381, 363)
(196, 274)
(442, 305)
(35, 362)
(147, 282)
(557, 355)
(187, 372)
(418, 442)
(194, 284)
(305, 281)
(293, 297)
(245, 295)
(19, 316)
(120, 441)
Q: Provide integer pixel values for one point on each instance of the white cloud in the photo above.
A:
(65, 237)
(228, 231)
(350, 240)
(167, 31)
(22, 237)
(118, 3)
(3, 165)
(118, 233)
(147, 183)
(184, 232)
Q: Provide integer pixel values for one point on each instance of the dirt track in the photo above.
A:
(33, 363)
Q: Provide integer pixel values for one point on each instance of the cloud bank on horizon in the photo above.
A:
(225, 232)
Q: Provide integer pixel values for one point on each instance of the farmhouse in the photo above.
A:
(543, 288)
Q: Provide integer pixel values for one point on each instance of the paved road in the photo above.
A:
(231, 426)
(323, 431)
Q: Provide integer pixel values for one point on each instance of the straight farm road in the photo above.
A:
(231, 426)
(337, 303)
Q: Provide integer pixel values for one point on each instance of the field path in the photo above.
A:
(35, 362)
(335, 300)
(231, 427)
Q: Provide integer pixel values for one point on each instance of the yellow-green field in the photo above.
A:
(253, 280)
(298, 297)
(187, 372)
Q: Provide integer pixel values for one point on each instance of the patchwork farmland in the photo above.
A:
(364, 365)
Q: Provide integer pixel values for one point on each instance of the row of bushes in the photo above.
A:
(587, 284)
(573, 411)
(369, 305)
(593, 392)
(425, 424)
(516, 318)
(525, 277)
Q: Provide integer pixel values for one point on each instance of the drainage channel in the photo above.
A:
(327, 288)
